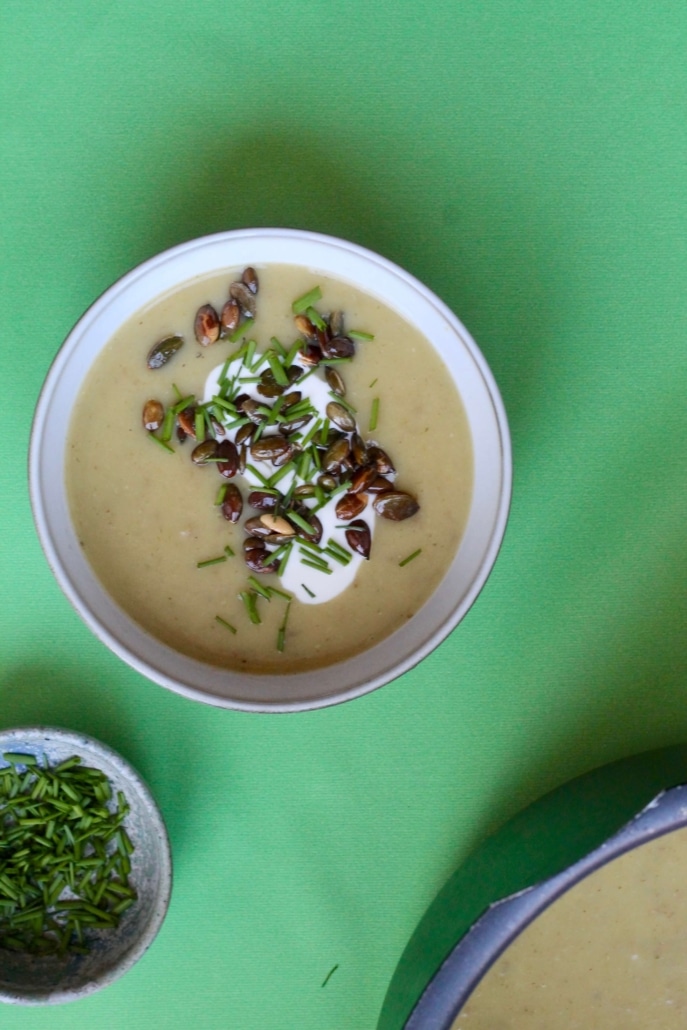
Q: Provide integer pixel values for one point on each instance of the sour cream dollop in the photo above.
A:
(307, 584)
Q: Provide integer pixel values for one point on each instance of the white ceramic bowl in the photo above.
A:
(491, 450)
(40, 980)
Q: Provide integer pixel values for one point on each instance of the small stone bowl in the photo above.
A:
(47, 980)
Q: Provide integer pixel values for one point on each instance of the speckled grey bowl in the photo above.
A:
(39, 980)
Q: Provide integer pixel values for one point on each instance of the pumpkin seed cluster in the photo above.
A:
(324, 456)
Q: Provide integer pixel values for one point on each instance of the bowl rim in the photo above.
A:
(387, 670)
(503, 922)
(87, 745)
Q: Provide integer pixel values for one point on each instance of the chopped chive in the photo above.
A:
(358, 334)
(374, 414)
(280, 593)
(299, 521)
(258, 475)
(314, 565)
(167, 425)
(284, 561)
(250, 601)
(177, 391)
(161, 442)
(329, 975)
(324, 432)
(211, 561)
(372, 383)
(279, 347)
(223, 622)
(311, 433)
(16, 758)
(281, 635)
(343, 559)
(200, 425)
(410, 557)
(250, 354)
(241, 330)
(277, 369)
(302, 303)
(343, 402)
(259, 588)
(308, 591)
(291, 354)
(310, 545)
(184, 403)
(221, 494)
(315, 318)
(275, 411)
(280, 473)
(228, 551)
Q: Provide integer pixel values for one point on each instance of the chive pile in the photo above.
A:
(64, 856)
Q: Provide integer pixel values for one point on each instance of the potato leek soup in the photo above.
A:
(610, 954)
(269, 470)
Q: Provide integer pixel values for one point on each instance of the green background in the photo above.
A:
(528, 161)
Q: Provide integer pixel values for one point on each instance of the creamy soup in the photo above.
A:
(610, 954)
(147, 517)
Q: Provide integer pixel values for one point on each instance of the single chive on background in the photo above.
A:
(302, 303)
(410, 557)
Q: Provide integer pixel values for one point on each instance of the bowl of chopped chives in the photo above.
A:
(85, 866)
(270, 469)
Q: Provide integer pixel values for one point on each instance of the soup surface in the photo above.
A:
(610, 954)
(146, 517)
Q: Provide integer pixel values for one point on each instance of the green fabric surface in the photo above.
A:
(528, 161)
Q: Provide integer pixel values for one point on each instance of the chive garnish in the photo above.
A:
(358, 334)
(374, 414)
(279, 347)
(410, 557)
(315, 318)
(284, 561)
(304, 302)
(161, 442)
(241, 330)
(258, 475)
(250, 601)
(250, 354)
(167, 425)
(200, 425)
(308, 591)
(291, 354)
(280, 593)
(184, 403)
(372, 383)
(277, 369)
(281, 635)
(211, 561)
(221, 494)
(299, 521)
(280, 473)
(259, 588)
(314, 565)
(228, 551)
(343, 402)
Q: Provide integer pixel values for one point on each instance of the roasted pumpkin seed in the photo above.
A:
(350, 506)
(246, 299)
(250, 279)
(359, 538)
(231, 314)
(153, 414)
(395, 505)
(203, 452)
(334, 381)
(229, 465)
(161, 353)
(232, 505)
(206, 325)
(340, 416)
